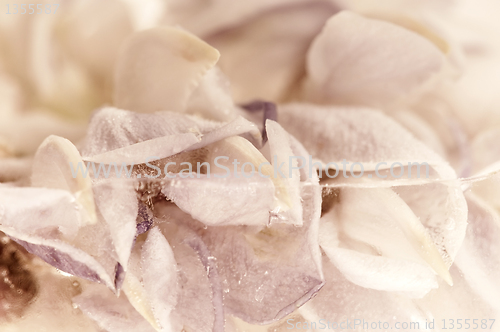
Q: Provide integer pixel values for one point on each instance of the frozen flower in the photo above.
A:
(165, 248)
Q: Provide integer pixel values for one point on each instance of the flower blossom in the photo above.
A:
(274, 83)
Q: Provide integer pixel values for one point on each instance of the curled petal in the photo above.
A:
(347, 62)
(54, 167)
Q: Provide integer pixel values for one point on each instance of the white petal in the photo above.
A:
(373, 271)
(379, 218)
(158, 69)
(232, 200)
(53, 167)
(117, 203)
(348, 62)
(212, 98)
(37, 210)
(64, 257)
(442, 209)
(159, 277)
(287, 189)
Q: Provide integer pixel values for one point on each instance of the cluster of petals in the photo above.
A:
(259, 81)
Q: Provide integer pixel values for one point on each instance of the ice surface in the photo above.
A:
(223, 201)
(212, 98)
(199, 305)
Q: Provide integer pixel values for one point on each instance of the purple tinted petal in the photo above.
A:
(199, 306)
(208, 261)
(69, 260)
(144, 220)
(270, 113)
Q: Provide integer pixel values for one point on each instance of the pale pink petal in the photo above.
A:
(96, 45)
(15, 169)
(485, 149)
(203, 18)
